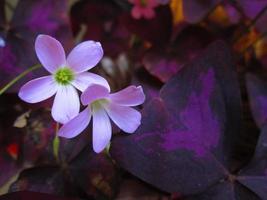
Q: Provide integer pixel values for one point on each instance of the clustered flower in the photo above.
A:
(71, 73)
(143, 8)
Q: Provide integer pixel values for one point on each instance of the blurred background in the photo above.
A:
(145, 43)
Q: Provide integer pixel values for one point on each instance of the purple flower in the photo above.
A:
(102, 105)
(67, 74)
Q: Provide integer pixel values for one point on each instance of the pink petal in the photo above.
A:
(130, 96)
(85, 56)
(50, 52)
(38, 89)
(152, 3)
(101, 129)
(66, 105)
(75, 126)
(83, 80)
(149, 13)
(136, 12)
(94, 92)
(126, 118)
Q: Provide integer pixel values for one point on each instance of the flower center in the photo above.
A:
(64, 76)
(143, 3)
(98, 104)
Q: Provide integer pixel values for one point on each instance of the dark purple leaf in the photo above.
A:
(135, 189)
(166, 61)
(252, 8)
(69, 149)
(229, 190)
(38, 137)
(88, 173)
(9, 166)
(157, 30)
(95, 174)
(100, 20)
(30, 19)
(257, 92)
(40, 179)
(26, 195)
(187, 147)
(150, 85)
(194, 11)
(255, 9)
(254, 176)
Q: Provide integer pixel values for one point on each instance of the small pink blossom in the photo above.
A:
(143, 8)
(102, 105)
(67, 75)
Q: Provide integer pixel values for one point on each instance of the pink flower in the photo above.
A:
(102, 106)
(143, 8)
(67, 74)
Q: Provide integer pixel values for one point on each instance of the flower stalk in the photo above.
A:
(20, 76)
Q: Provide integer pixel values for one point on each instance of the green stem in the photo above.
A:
(7, 86)
(56, 143)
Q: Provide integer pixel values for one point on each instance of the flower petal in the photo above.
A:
(85, 56)
(126, 118)
(130, 96)
(94, 92)
(38, 89)
(148, 13)
(66, 104)
(50, 52)
(101, 129)
(75, 126)
(136, 12)
(83, 80)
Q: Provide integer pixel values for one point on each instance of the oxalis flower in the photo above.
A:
(102, 105)
(143, 8)
(67, 74)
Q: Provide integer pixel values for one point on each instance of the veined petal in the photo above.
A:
(130, 96)
(38, 89)
(101, 129)
(66, 104)
(126, 118)
(85, 56)
(50, 52)
(94, 92)
(83, 80)
(75, 126)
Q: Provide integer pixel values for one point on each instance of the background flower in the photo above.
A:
(143, 8)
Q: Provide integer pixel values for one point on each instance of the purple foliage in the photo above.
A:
(30, 19)
(190, 146)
